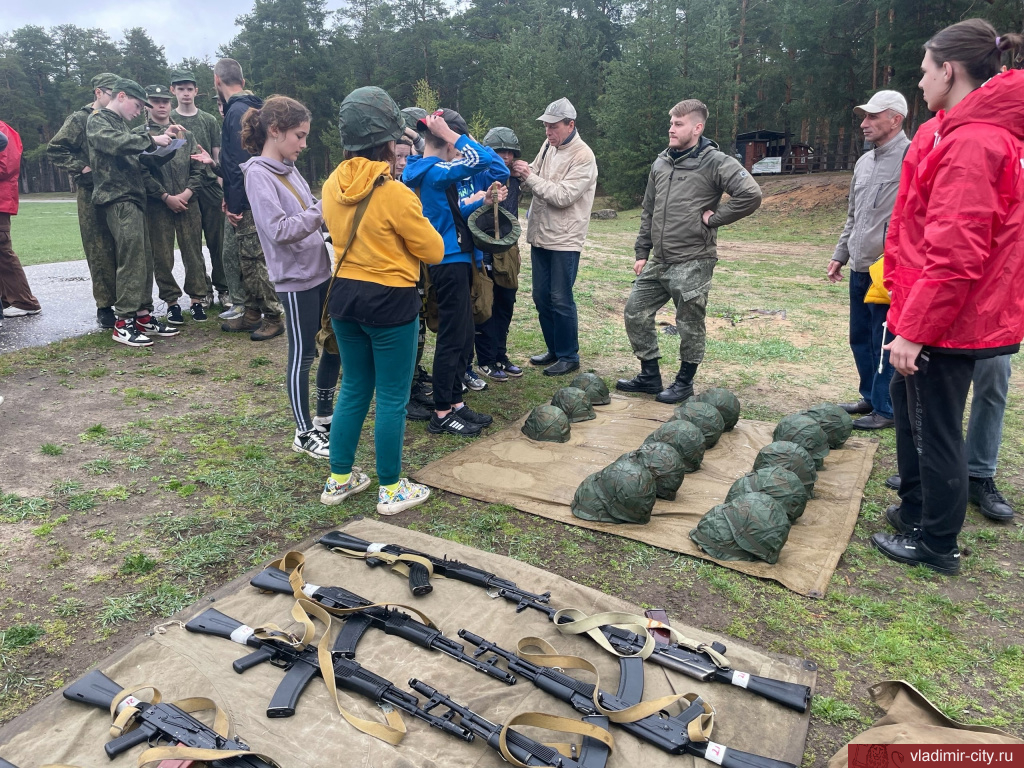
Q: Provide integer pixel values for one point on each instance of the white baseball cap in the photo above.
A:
(558, 111)
(882, 101)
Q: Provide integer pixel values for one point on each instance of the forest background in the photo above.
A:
(795, 66)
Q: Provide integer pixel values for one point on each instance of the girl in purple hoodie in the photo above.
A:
(288, 221)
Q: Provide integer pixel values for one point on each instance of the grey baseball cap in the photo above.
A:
(882, 101)
(558, 111)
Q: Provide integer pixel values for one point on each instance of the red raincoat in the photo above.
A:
(10, 166)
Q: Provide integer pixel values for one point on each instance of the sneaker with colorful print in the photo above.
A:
(335, 492)
(407, 494)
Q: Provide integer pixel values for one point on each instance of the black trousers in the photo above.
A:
(453, 349)
(492, 336)
(929, 411)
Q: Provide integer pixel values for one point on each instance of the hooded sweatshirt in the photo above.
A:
(231, 153)
(954, 260)
(289, 232)
(377, 278)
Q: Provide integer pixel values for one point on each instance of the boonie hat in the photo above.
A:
(368, 117)
(104, 80)
(182, 76)
(882, 101)
(558, 111)
(158, 91)
(131, 89)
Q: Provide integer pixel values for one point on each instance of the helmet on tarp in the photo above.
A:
(834, 421)
(804, 431)
(705, 417)
(574, 403)
(622, 492)
(750, 527)
(725, 401)
(547, 424)
(594, 386)
(792, 457)
(686, 438)
(665, 465)
(779, 483)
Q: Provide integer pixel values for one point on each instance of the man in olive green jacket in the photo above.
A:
(676, 248)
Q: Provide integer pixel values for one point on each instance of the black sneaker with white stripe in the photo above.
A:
(198, 312)
(174, 315)
(470, 416)
(125, 332)
(452, 425)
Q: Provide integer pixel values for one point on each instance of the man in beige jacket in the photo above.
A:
(562, 180)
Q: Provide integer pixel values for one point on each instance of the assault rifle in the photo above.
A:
(302, 666)
(693, 663)
(392, 621)
(593, 753)
(158, 723)
(666, 733)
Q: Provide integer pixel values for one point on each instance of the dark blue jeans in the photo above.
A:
(554, 274)
(866, 342)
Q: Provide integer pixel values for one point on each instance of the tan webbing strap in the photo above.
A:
(288, 184)
(397, 562)
(293, 564)
(156, 755)
(699, 729)
(581, 624)
(552, 723)
(550, 658)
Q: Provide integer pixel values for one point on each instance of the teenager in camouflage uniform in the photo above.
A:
(69, 150)
(172, 210)
(209, 196)
(119, 194)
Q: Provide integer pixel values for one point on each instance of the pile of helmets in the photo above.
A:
(551, 423)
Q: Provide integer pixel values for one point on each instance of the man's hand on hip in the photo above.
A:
(834, 271)
(706, 216)
(903, 355)
(638, 266)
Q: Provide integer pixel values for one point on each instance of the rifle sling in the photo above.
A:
(397, 562)
(552, 723)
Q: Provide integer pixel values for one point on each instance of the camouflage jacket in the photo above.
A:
(68, 148)
(114, 150)
(206, 128)
(176, 174)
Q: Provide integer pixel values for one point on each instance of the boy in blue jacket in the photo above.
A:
(451, 156)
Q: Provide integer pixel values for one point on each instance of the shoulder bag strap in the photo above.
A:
(356, 218)
(288, 185)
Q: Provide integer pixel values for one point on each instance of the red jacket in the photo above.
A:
(10, 166)
(954, 255)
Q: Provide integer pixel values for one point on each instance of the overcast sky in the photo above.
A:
(182, 27)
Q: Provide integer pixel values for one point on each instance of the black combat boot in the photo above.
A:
(648, 380)
(682, 388)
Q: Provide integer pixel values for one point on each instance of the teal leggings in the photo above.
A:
(381, 359)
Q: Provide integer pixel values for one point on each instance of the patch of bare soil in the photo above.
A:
(786, 194)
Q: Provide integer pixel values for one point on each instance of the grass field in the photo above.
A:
(45, 232)
(139, 476)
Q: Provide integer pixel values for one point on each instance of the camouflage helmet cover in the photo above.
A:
(779, 483)
(594, 386)
(705, 417)
(574, 403)
(836, 422)
(686, 438)
(791, 456)
(804, 431)
(547, 424)
(752, 526)
(725, 401)
(665, 465)
(503, 138)
(368, 118)
(622, 492)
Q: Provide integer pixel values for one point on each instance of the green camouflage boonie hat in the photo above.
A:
(750, 527)
(104, 80)
(836, 422)
(622, 492)
(368, 118)
(725, 401)
(705, 417)
(779, 483)
(547, 424)
(182, 76)
(792, 457)
(804, 431)
(412, 115)
(481, 227)
(503, 138)
(686, 438)
(574, 403)
(131, 89)
(159, 92)
(594, 386)
(665, 465)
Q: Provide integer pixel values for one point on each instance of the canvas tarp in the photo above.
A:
(182, 664)
(541, 478)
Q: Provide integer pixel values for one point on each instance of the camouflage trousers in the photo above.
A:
(686, 284)
(134, 277)
(100, 252)
(232, 265)
(164, 226)
(259, 291)
(209, 198)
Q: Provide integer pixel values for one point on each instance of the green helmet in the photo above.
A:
(481, 227)
(750, 527)
(705, 417)
(594, 386)
(665, 465)
(792, 457)
(368, 118)
(622, 492)
(779, 483)
(503, 138)
(412, 115)
(686, 438)
(725, 401)
(836, 422)
(804, 431)
(574, 403)
(547, 424)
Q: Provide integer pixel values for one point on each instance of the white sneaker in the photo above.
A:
(323, 424)
(407, 494)
(15, 312)
(312, 443)
(335, 492)
(236, 310)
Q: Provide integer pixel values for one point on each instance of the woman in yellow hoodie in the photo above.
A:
(374, 304)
